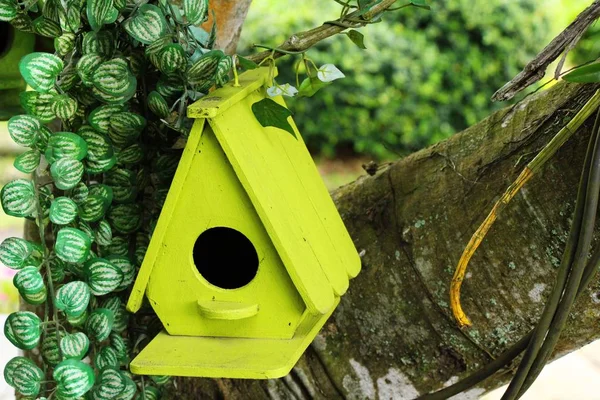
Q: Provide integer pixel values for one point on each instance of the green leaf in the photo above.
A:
(100, 166)
(8, 10)
(99, 324)
(38, 105)
(23, 329)
(586, 74)
(202, 72)
(310, 86)
(64, 107)
(196, 11)
(125, 218)
(14, 251)
(73, 298)
(92, 209)
(99, 118)
(27, 162)
(29, 280)
(46, 27)
(103, 192)
(98, 12)
(107, 357)
(22, 374)
(111, 382)
(420, 4)
(119, 345)
(72, 245)
(147, 25)
(158, 105)
(73, 379)
(86, 66)
(74, 345)
(223, 69)
(126, 268)
(23, 129)
(104, 233)
(172, 58)
(101, 43)
(50, 350)
(130, 388)
(22, 22)
(65, 43)
(18, 198)
(133, 154)
(40, 70)
(66, 173)
(269, 113)
(103, 277)
(118, 246)
(357, 38)
(246, 63)
(114, 78)
(63, 211)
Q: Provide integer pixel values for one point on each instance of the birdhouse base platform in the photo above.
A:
(220, 357)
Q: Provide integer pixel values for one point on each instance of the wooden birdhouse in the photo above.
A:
(250, 256)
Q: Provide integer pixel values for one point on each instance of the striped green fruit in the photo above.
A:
(103, 277)
(110, 385)
(18, 198)
(46, 27)
(23, 329)
(80, 192)
(38, 105)
(125, 218)
(73, 379)
(64, 107)
(65, 43)
(147, 25)
(14, 251)
(98, 12)
(63, 211)
(100, 117)
(75, 345)
(25, 376)
(158, 105)
(126, 268)
(101, 43)
(103, 233)
(15, 363)
(86, 66)
(105, 358)
(113, 78)
(27, 162)
(8, 10)
(67, 145)
(73, 298)
(28, 280)
(131, 155)
(204, 69)
(99, 324)
(23, 129)
(49, 347)
(72, 245)
(172, 58)
(40, 70)
(196, 11)
(66, 173)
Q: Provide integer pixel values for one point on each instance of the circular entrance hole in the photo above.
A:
(225, 257)
(6, 37)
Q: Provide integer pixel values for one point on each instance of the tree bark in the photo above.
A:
(393, 336)
(229, 16)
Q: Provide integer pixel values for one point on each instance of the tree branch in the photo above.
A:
(536, 68)
(303, 41)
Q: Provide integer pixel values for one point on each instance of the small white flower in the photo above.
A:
(329, 73)
(282, 90)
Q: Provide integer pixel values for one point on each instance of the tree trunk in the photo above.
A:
(393, 336)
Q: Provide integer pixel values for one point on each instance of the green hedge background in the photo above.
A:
(424, 76)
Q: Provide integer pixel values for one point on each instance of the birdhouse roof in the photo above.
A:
(285, 188)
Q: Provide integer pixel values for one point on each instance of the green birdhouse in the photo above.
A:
(249, 256)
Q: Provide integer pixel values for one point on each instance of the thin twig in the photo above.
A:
(536, 68)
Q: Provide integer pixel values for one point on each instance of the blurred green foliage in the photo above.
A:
(424, 76)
